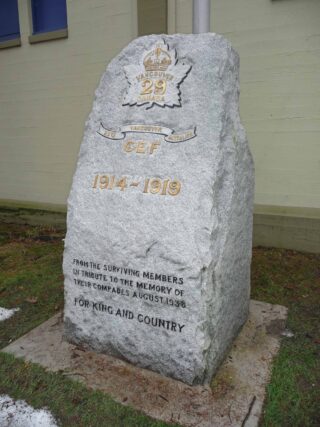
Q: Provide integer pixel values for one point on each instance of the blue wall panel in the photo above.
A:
(48, 15)
(9, 20)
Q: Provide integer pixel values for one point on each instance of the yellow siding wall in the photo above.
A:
(152, 17)
(279, 46)
(46, 93)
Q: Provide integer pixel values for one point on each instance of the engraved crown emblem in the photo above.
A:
(157, 60)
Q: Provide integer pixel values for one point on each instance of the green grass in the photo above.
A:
(71, 402)
(292, 279)
(31, 278)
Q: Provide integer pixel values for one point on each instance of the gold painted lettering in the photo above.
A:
(154, 146)
(124, 183)
(129, 146)
(141, 147)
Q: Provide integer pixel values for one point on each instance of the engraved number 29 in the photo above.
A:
(158, 87)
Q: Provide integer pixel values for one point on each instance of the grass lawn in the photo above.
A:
(31, 278)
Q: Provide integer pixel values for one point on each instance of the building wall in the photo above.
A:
(46, 94)
(152, 17)
(279, 46)
(47, 89)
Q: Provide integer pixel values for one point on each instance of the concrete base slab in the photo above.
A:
(235, 397)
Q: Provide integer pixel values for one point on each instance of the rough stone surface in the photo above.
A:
(235, 397)
(190, 248)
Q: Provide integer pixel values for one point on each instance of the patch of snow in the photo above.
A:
(19, 414)
(287, 333)
(6, 313)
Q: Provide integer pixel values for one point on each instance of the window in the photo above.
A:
(9, 23)
(49, 20)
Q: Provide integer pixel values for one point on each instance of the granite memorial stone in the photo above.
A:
(159, 230)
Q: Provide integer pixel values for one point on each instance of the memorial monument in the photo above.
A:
(159, 231)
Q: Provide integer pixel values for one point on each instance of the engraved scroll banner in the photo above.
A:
(170, 135)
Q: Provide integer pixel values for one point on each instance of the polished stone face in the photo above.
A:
(158, 249)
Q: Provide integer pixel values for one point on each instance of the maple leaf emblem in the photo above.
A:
(156, 79)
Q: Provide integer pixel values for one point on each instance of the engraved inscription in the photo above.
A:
(127, 284)
(141, 147)
(159, 186)
(169, 134)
